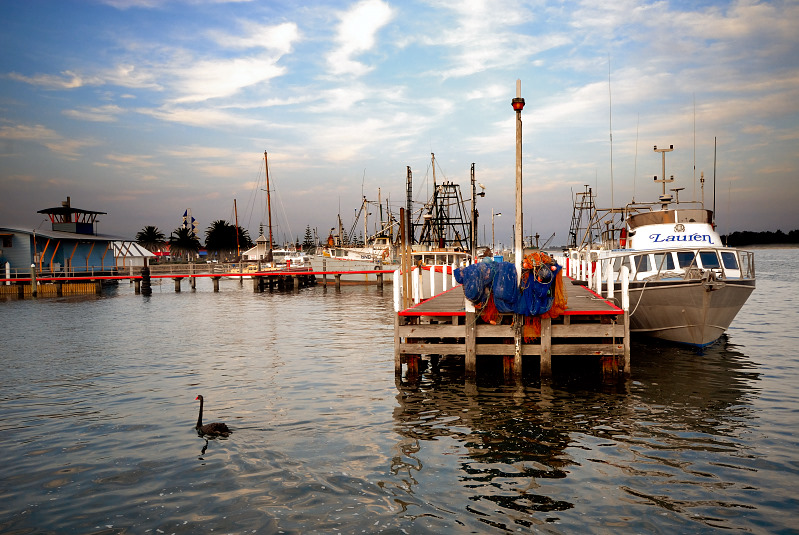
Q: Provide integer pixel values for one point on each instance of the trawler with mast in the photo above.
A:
(685, 286)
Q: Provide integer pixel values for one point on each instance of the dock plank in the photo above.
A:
(580, 299)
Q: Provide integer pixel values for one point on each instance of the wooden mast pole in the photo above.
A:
(236, 215)
(268, 202)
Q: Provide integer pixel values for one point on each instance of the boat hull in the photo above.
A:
(351, 271)
(694, 312)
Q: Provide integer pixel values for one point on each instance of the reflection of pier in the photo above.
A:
(527, 455)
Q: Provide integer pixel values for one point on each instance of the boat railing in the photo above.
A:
(600, 269)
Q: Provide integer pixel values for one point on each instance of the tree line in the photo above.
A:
(746, 237)
(223, 241)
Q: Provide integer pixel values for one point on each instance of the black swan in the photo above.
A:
(217, 429)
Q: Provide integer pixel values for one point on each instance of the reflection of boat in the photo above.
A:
(684, 285)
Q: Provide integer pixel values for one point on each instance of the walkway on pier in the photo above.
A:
(447, 324)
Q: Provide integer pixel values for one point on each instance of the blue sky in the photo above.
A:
(145, 108)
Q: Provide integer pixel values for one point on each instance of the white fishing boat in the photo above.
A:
(290, 258)
(685, 286)
(440, 230)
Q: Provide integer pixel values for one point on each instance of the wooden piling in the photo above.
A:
(34, 284)
(146, 288)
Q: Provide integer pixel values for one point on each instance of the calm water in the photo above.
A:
(97, 412)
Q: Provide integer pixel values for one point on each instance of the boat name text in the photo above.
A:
(659, 238)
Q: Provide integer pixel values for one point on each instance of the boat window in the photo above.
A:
(641, 263)
(664, 261)
(625, 261)
(686, 259)
(709, 259)
(730, 260)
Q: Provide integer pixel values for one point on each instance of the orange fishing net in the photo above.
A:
(532, 324)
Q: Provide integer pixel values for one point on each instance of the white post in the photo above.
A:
(416, 277)
(611, 282)
(432, 277)
(598, 277)
(468, 306)
(8, 273)
(397, 289)
(444, 277)
(625, 288)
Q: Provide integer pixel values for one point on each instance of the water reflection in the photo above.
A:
(650, 441)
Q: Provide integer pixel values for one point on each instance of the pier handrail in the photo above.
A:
(423, 288)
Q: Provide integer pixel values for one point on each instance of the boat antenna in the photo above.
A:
(714, 181)
(610, 128)
(694, 146)
(635, 161)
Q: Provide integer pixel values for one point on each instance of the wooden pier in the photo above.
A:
(447, 325)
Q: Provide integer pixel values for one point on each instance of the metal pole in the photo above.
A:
(518, 105)
(474, 220)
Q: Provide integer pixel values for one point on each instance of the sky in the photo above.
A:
(145, 109)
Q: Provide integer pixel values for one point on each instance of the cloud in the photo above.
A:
(100, 114)
(489, 35)
(67, 80)
(356, 34)
(202, 117)
(279, 38)
(69, 148)
(218, 78)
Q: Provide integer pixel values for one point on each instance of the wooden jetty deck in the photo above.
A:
(447, 325)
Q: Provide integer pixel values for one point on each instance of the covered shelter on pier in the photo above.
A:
(71, 247)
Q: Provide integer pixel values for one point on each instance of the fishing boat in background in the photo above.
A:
(685, 286)
(441, 234)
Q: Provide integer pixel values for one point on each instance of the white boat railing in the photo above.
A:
(426, 282)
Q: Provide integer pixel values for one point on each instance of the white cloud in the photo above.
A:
(210, 79)
(489, 35)
(201, 117)
(67, 80)
(356, 34)
(69, 148)
(100, 114)
(279, 38)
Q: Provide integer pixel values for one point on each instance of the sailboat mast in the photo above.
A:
(236, 215)
(268, 201)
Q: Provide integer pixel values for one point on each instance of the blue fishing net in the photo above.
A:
(537, 291)
(506, 290)
(476, 280)
(535, 296)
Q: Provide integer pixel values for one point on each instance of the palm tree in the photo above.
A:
(151, 238)
(220, 239)
(183, 242)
